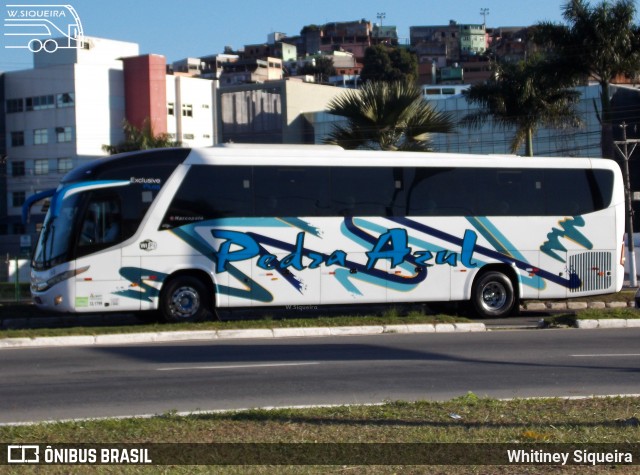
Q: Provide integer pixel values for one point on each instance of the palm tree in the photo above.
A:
(600, 42)
(141, 138)
(524, 96)
(386, 116)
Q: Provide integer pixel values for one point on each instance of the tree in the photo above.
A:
(525, 96)
(386, 116)
(140, 139)
(322, 69)
(384, 63)
(600, 42)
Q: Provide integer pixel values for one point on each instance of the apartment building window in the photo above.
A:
(18, 198)
(41, 166)
(205, 106)
(17, 139)
(188, 136)
(17, 168)
(65, 164)
(187, 110)
(15, 105)
(40, 136)
(66, 99)
(171, 108)
(40, 102)
(63, 134)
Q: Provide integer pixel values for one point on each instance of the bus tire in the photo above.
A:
(492, 295)
(185, 299)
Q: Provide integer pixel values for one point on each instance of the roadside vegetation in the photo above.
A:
(467, 419)
(285, 319)
(52, 325)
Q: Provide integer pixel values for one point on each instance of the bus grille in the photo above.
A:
(593, 269)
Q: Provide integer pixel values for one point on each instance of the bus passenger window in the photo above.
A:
(101, 224)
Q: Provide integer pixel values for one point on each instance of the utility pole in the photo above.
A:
(381, 16)
(484, 12)
(626, 155)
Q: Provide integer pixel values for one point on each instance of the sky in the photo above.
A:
(179, 29)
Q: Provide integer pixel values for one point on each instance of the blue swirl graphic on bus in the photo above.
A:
(568, 230)
(394, 245)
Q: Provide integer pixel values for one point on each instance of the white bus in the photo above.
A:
(187, 231)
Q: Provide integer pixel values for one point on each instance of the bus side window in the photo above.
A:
(101, 224)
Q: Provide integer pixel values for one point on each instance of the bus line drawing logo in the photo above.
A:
(42, 27)
(23, 453)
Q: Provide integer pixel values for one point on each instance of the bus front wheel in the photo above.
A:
(185, 299)
(493, 295)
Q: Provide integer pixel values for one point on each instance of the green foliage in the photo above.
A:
(386, 116)
(140, 139)
(322, 69)
(524, 96)
(384, 63)
(598, 42)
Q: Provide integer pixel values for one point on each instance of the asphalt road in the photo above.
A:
(98, 381)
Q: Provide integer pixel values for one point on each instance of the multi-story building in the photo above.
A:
(443, 38)
(59, 115)
(510, 43)
(450, 53)
(3, 162)
(213, 65)
(276, 49)
(272, 112)
(473, 40)
(190, 110)
(347, 69)
(179, 104)
(246, 71)
(351, 36)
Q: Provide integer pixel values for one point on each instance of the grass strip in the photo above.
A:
(467, 419)
(390, 317)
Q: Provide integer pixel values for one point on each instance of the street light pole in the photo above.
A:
(627, 191)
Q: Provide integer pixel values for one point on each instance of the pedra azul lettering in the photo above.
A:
(392, 245)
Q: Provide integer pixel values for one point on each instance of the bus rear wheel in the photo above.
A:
(185, 299)
(493, 296)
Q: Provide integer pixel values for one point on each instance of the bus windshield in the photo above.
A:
(82, 218)
(54, 244)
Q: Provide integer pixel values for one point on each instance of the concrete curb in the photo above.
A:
(608, 323)
(158, 337)
(575, 305)
(128, 338)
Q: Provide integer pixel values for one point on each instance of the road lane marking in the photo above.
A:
(243, 366)
(606, 355)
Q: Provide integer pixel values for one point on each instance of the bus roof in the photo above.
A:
(331, 155)
(122, 164)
